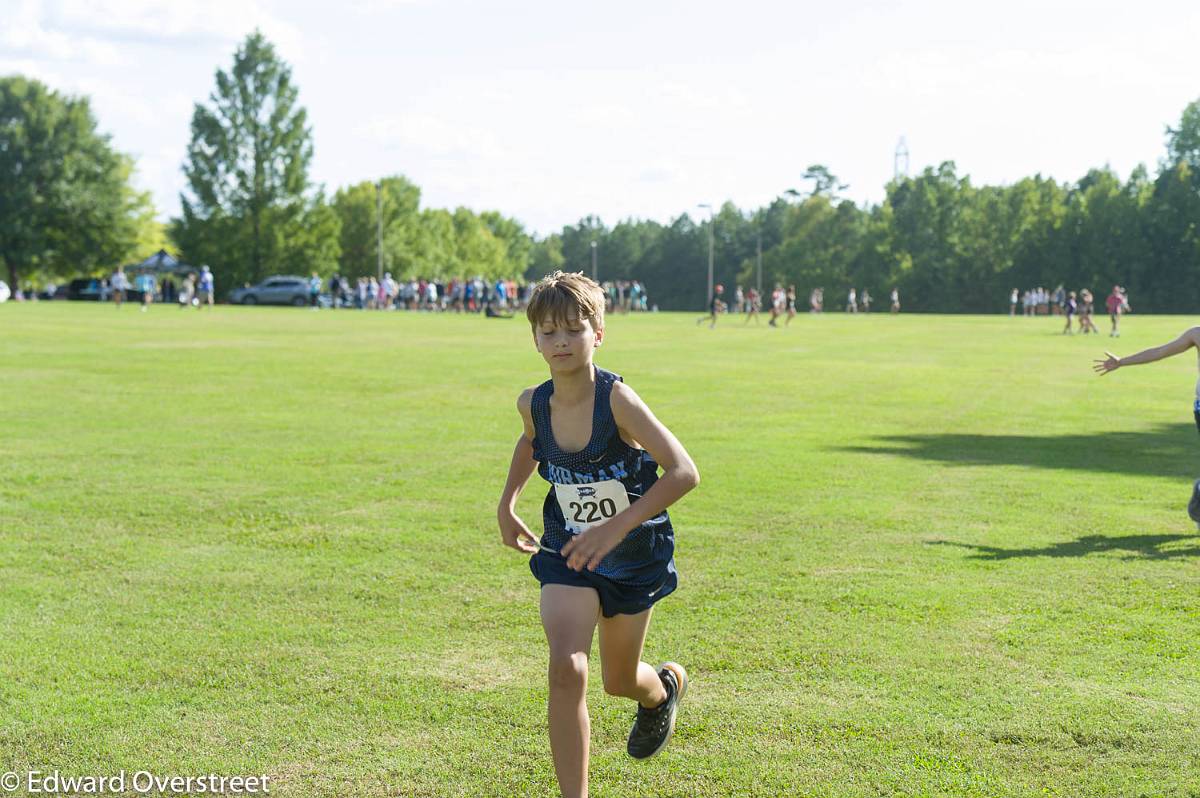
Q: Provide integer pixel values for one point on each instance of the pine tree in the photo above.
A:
(247, 173)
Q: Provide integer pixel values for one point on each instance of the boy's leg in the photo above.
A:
(657, 693)
(625, 675)
(569, 618)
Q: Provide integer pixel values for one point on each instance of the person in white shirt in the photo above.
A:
(120, 284)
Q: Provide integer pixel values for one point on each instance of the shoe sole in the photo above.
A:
(681, 682)
(681, 677)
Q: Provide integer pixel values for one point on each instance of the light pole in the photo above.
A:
(760, 262)
(379, 228)
(711, 225)
(594, 262)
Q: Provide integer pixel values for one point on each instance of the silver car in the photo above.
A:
(282, 289)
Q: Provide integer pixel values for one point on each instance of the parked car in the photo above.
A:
(86, 289)
(281, 289)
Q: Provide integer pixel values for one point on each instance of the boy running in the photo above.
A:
(751, 306)
(1086, 309)
(790, 299)
(148, 286)
(715, 306)
(777, 302)
(607, 551)
(1189, 339)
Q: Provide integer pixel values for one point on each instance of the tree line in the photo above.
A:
(250, 210)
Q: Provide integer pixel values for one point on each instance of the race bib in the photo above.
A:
(588, 504)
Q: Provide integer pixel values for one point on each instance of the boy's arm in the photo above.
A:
(513, 531)
(1181, 344)
(679, 476)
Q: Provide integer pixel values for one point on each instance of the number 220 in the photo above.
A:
(605, 508)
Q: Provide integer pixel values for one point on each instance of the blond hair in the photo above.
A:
(561, 296)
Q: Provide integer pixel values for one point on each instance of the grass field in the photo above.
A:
(928, 556)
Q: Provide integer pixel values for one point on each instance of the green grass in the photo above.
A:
(928, 556)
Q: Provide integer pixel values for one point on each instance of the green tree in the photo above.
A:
(311, 244)
(926, 212)
(66, 205)
(1173, 224)
(577, 244)
(358, 206)
(1183, 142)
(478, 252)
(439, 245)
(824, 182)
(247, 171)
(675, 271)
(518, 245)
(545, 257)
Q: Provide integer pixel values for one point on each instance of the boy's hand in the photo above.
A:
(514, 533)
(589, 547)
(1102, 367)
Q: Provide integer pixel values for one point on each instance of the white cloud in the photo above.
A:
(225, 20)
(378, 6)
(25, 32)
(434, 136)
(101, 31)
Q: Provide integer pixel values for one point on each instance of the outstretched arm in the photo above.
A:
(1181, 344)
(680, 475)
(513, 531)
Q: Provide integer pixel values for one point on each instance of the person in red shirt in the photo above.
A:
(1116, 304)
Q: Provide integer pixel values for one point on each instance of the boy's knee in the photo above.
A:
(569, 671)
(620, 685)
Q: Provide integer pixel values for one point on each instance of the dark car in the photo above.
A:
(277, 290)
(86, 289)
(52, 292)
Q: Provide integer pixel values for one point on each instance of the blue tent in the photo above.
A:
(160, 263)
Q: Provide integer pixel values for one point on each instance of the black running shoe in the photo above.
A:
(1194, 504)
(653, 728)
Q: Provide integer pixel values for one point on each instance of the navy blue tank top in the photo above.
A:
(646, 548)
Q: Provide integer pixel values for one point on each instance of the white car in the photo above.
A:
(4, 292)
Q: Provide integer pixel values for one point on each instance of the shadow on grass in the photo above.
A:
(1148, 547)
(1168, 450)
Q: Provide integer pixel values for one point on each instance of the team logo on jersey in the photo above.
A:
(586, 492)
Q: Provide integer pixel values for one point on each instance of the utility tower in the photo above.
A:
(900, 163)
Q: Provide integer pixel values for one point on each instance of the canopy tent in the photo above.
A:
(160, 263)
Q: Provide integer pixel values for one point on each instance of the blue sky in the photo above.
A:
(550, 111)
